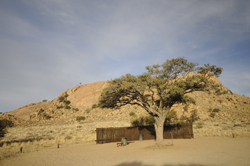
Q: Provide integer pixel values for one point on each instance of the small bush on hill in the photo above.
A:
(185, 108)
(61, 99)
(75, 109)
(66, 102)
(66, 95)
(5, 123)
(79, 118)
(216, 110)
(68, 137)
(67, 107)
(199, 125)
(88, 110)
(94, 106)
(59, 106)
(212, 114)
(46, 116)
(132, 113)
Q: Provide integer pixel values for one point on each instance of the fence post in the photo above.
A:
(102, 135)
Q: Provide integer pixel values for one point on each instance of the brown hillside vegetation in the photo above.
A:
(73, 117)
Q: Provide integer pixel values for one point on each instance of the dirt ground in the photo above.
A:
(184, 152)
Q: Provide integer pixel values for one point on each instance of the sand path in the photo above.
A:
(185, 152)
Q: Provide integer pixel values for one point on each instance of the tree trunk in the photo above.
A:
(159, 128)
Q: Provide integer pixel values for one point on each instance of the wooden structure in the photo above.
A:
(114, 134)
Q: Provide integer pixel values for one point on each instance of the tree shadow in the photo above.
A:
(141, 164)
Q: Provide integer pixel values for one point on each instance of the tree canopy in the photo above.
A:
(213, 69)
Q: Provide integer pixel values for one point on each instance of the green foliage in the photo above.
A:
(59, 106)
(184, 118)
(194, 115)
(66, 95)
(132, 114)
(171, 116)
(66, 102)
(88, 110)
(186, 107)
(68, 137)
(79, 118)
(143, 121)
(213, 69)
(75, 109)
(4, 123)
(45, 100)
(212, 114)
(94, 106)
(159, 81)
(216, 110)
(46, 116)
(40, 111)
(67, 107)
(61, 99)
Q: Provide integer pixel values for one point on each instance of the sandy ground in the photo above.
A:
(185, 152)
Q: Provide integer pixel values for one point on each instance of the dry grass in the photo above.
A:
(36, 137)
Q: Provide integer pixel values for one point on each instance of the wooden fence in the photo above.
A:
(114, 134)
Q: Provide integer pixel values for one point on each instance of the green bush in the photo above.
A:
(59, 106)
(67, 102)
(185, 108)
(67, 107)
(194, 115)
(66, 95)
(184, 118)
(61, 99)
(212, 114)
(199, 125)
(45, 100)
(79, 118)
(88, 110)
(216, 110)
(46, 116)
(5, 123)
(94, 106)
(75, 109)
(68, 137)
(132, 113)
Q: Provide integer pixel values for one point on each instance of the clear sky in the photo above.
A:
(49, 46)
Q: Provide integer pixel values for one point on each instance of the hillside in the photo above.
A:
(81, 100)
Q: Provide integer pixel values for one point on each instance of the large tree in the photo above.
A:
(155, 91)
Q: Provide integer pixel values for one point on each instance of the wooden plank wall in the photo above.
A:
(114, 134)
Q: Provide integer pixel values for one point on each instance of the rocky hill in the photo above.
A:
(217, 103)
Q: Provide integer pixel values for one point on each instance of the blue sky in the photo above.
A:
(49, 46)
